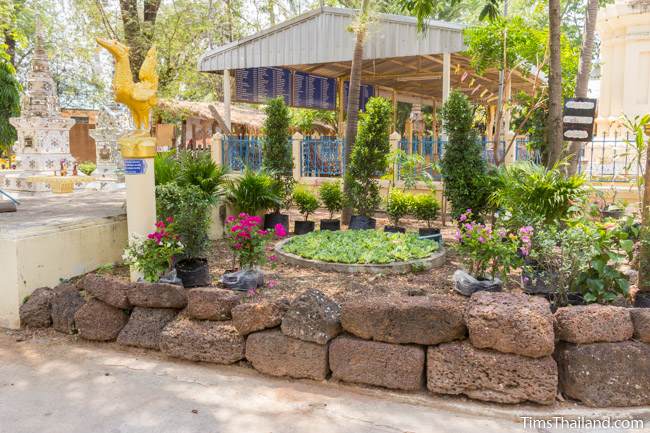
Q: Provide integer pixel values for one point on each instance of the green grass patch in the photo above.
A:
(360, 246)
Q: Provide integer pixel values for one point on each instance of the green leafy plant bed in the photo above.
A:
(362, 251)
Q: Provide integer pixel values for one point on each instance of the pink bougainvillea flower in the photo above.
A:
(231, 218)
(251, 292)
(237, 246)
(151, 236)
(244, 235)
(263, 232)
(280, 231)
(170, 220)
(272, 283)
(243, 215)
(255, 220)
(273, 258)
(235, 228)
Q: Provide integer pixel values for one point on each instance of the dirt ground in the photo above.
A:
(286, 281)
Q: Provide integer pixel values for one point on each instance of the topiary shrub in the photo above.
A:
(198, 168)
(369, 157)
(463, 168)
(425, 208)
(398, 205)
(331, 196)
(276, 151)
(306, 201)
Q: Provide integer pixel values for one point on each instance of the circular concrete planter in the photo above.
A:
(433, 261)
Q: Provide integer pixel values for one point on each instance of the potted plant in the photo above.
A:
(247, 241)
(154, 255)
(398, 205)
(253, 193)
(369, 158)
(307, 204)
(190, 208)
(332, 198)
(425, 208)
(277, 159)
(489, 255)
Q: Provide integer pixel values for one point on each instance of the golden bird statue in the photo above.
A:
(139, 97)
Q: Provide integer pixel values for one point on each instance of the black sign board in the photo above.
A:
(256, 85)
(366, 91)
(578, 119)
(314, 91)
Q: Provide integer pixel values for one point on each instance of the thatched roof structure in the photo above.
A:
(242, 118)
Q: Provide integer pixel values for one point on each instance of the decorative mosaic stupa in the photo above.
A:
(111, 124)
(43, 145)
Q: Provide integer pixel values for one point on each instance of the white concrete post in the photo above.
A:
(140, 188)
(446, 76)
(226, 98)
(296, 140)
(394, 139)
(216, 151)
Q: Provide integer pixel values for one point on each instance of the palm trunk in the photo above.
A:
(353, 103)
(554, 121)
(584, 70)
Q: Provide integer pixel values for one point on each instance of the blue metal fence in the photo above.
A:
(242, 151)
(321, 157)
(605, 158)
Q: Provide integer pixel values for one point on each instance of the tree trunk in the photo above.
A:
(10, 42)
(353, 102)
(643, 282)
(554, 121)
(138, 36)
(584, 70)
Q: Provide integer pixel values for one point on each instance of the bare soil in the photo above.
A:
(287, 281)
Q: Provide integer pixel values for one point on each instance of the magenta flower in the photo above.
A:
(481, 239)
(272, 283)
(231, 218)
(462, 218)
(170, 220)
(243, 215)
(273, 258)
(263, 232)
(280, 231)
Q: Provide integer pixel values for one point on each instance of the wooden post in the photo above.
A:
(643, 282)
(296, 140)
(226, 98)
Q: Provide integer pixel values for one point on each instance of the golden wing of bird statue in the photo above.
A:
(139, 97)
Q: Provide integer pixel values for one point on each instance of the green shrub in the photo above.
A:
(425, 208)
(166, 167)
(87, 167)
(331, 196)
(360, 246)
(306, 201)
(463, 168)
(532, 194)
(190, 208)
(254, 192)
(398, 205)
(200, 170)
(276, 150)
(369, 157)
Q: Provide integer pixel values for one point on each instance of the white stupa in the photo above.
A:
(43, 145)
(112, 123)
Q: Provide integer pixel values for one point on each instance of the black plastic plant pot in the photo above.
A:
(331, 225)
(394, 229)
(616, 213)
(428, 231)
(304, 227)
(360, 222)
(194, 272)
(273, 219)
(466, 284)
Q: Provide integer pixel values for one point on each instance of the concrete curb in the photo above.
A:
(437, 259)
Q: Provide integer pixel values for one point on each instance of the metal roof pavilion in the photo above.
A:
(400, 62)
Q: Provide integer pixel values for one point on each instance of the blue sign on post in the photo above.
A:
(135, 166)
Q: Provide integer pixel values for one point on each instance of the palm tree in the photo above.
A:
(353, 98)
(554, 120)
(584, 70)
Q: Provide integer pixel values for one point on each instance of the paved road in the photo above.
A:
(51, 386)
